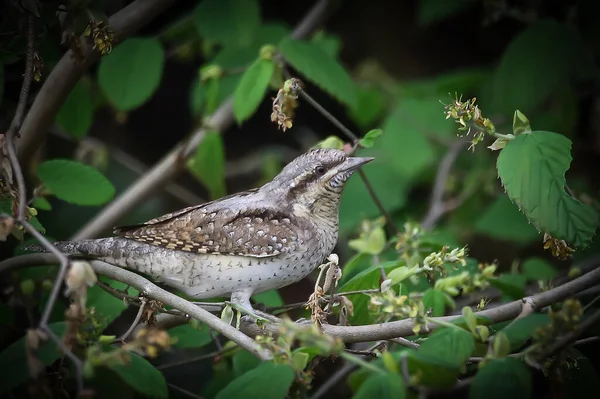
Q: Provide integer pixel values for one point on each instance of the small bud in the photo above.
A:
(483, 333)
(27, 287)
(386, 285)
(500, 345)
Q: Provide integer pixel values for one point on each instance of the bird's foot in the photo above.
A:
(249, 315)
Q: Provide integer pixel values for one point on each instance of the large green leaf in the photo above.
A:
(131, 73)
(431, 11)
(452, 346)
(143, 377)
(382, 386)
(512, 285)
(14, 363)
(75, 182)
(77, 112)
(367, 279)
(208, 164)
(244, 361)
(269, 298)
(502, 220)
(520, 330)
(189, 337)
(318, 66)
(538, 269)
(267, 381)
(369, 107)
(536, 63)
(431, 370)
(435, 300)
(251, 90)
(532, 169)
(502, 378)
(228, 22)
(405, 144)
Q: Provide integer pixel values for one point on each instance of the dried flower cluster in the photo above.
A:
(558, 248)
(102, 36)
(285, 103)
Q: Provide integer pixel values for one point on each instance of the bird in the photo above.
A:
(241, 244)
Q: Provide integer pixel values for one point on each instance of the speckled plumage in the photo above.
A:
(244, 243)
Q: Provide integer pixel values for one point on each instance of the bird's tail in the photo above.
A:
(94, 248)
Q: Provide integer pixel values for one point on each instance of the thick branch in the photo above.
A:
(170, 165)
(68, 71)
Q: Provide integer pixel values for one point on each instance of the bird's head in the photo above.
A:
(316, 179)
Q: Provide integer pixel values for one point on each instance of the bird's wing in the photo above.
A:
(258, 233)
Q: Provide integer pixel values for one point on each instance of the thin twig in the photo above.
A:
(572, 336)
(405, 342)
(183, 391)
(590, 304)
(437, 206)
(135, 322)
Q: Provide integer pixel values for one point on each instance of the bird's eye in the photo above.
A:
(320, 170)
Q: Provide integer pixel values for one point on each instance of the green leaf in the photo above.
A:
(452, 346)
(267, 381)
(432, 11)
(142, 376)
(269, 298)
(107, 306)
(538, 269)
(41, 203)
(503, 221)
(536, 63)
(189, 337)
(406, 130)
(228, 22)
(369, 140)
(520, 124)
(369, 108)
(373, 244)
(390, 186)
(431, 370)
(532, 168)
(367, 279)
(520, 330)
(75, 182)
(251, 90)
(132, 72)
(77, 112)
(328, 43)
(244, 361)
(502, 378)
(322, 69)
(382, 386)
(208, 164)
(435, 300)
(511, 285)
(14, 363)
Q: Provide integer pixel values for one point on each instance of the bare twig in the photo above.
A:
(135, 322)
(572, 336)
(404, 342)
(69, 70)
(437, 205)
(170, 165)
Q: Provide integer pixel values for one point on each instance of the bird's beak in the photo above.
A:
(353, 163)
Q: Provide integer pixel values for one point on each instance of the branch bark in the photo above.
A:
(68, 71)
(349, 334)
(170, 165)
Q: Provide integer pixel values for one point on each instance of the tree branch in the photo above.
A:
(349, 334)
(151, 291)
(68, 71)
(437, 206)
(171, 164)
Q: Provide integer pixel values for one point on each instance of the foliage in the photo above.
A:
(405, 258)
